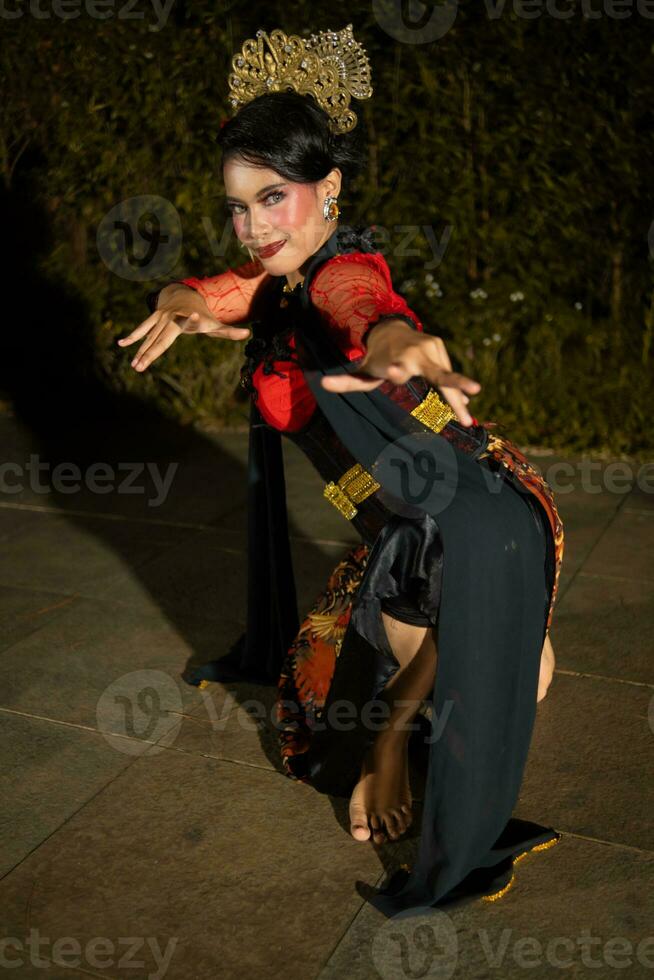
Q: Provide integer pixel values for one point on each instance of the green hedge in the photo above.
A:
(523, 146)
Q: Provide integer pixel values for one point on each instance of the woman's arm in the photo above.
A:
(355, 294)
(231, 296)
(369, 320)
(214, 306)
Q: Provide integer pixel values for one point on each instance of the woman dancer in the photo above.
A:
(448, 598)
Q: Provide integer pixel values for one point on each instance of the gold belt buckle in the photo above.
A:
(434, 412)
(356, 484)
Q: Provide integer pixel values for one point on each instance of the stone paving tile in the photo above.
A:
(208, 576)
(592, 748)
(311, 518)
(157, 607)
(203, 576)
(230, 441)
(582, 478)
(626, 549)
(13, 520)
(60, 555)
(584, 523)
(235, 871)
(234, 721)
(94, 663)
(605, 626)
(231, 529)
(35, 966)
(580, 909)
(642, 494)
(315, 518)
(49, 771)
(23, 611)
(147, 471)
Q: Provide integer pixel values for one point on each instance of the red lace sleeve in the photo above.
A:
(231, 296)
(353, 291)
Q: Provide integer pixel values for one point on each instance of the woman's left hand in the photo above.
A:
(396, 352)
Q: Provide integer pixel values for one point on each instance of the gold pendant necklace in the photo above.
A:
(289, 289)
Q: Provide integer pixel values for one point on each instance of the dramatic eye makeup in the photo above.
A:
(266, 194)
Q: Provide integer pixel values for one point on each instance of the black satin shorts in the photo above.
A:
(404, 608)
(405, 570)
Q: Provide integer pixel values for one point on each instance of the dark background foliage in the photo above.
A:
(521, 146)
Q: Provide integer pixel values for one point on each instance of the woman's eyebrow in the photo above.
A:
(264, 190)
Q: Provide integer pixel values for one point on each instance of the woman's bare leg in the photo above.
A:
(380, 804)
(547, 662)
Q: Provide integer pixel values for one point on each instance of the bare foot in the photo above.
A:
(547, 662)
(381, 801)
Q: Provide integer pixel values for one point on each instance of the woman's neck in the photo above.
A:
(295, 277)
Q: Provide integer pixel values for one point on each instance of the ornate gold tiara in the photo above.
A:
(330, 65)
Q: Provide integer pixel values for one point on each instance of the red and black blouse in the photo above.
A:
(352, 291)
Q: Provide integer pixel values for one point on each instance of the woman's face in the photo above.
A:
(268, 210)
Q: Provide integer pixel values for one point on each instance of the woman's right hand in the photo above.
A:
(162, 328)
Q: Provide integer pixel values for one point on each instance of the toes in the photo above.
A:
(395, 824)
(378, 831)
(359, 823)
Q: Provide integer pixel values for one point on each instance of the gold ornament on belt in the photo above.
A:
(352, 488)
(330, 65)
(434, 412)
(356, 484)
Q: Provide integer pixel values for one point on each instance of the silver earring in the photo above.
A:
(330, 208)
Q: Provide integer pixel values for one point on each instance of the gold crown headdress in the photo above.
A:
(330, 65)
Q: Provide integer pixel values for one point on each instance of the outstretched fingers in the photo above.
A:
(156, 343)
(350, 382)
(141, 330)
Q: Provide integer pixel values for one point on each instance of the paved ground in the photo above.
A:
(147, 828)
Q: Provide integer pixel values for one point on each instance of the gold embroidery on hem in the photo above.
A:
(536, 847)
(500, 893)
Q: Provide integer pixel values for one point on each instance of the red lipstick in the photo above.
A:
(269, 250)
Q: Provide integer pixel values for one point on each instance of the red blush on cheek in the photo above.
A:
(293, 211)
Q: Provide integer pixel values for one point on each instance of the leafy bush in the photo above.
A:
(530, 170)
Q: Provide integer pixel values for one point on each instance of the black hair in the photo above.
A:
(289, 133)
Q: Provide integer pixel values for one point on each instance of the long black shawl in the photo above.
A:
(491, 626)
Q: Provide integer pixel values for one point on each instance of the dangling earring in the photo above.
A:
(330, 208)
